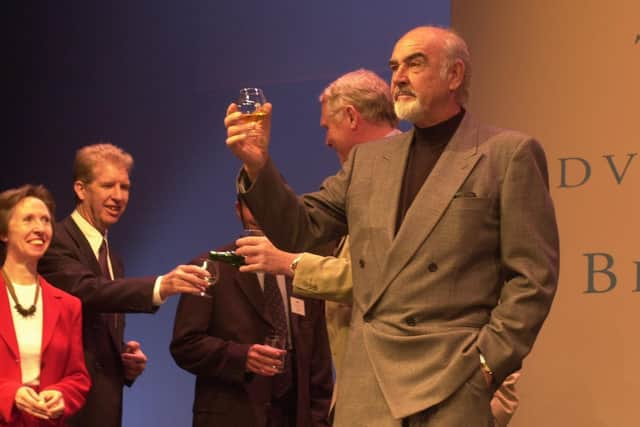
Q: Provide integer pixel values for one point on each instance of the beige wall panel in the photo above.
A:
(568, 72)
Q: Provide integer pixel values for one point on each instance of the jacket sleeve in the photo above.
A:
(8, 390)
(300, 223)
(200, 353)
(325, 277)
(529, 261)
(67, 266)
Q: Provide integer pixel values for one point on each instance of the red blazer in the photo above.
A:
(62, 359)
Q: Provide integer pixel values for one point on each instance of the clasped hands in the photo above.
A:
(46, 405)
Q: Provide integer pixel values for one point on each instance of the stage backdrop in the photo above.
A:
(155, 77)
(569, 73)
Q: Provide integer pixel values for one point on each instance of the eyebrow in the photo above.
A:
(408, 58)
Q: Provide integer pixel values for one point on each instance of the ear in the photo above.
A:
(353, 116)
(80, 188)
(456, 75)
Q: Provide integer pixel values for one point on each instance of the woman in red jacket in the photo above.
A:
(43, 378)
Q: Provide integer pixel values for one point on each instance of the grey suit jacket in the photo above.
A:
(482, 229)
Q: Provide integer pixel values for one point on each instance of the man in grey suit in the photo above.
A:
(454, 244)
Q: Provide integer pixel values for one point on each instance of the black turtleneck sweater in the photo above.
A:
(426, 148)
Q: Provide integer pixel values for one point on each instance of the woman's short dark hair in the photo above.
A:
(10, 198)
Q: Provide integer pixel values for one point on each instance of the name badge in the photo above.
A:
(297, 306)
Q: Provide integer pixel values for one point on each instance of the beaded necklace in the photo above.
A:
(24, 312)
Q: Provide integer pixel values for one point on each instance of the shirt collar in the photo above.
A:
(93, 236)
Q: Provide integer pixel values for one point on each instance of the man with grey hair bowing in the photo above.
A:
(454, 244)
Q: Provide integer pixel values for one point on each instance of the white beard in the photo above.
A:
(410, 111)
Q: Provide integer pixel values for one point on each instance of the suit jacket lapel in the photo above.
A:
(248, 283)
(7, 330)
(448, 175)
(50, 314)
(94, 265)
(83, 245)
(389, 171)
(117, 330)
(293, 320)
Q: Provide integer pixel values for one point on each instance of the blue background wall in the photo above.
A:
(155, 77)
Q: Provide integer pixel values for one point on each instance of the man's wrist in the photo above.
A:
(294, 264)
(252, 171)
(484, 365)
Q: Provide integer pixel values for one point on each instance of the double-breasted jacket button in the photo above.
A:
(361, 263)
(432, 267)
(410, 321)
(367, 317)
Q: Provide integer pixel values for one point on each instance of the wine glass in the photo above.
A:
(277, 341)
(250, 103)
(212, 267)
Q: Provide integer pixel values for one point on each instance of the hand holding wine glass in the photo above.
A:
(248, 123)
(212, 268)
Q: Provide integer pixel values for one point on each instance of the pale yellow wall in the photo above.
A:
(568, 72)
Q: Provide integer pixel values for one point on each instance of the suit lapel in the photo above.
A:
(293, 320)
(117, 330)
(92, 262)
(83, 245)
(388, 173)
(7, 330)
(249, 285)
(50, 313)
(435, 195)
(289, 288)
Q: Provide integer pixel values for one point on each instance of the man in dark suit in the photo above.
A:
(220, 340)
(454, 244)
(80, 262)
